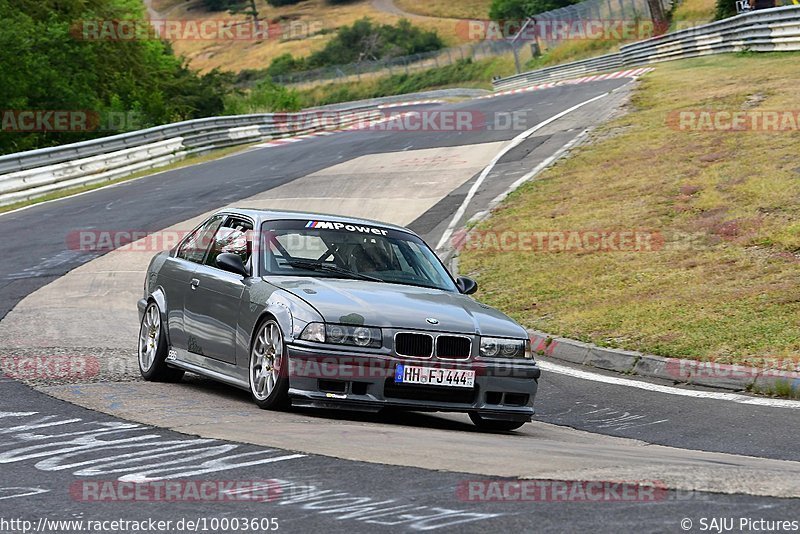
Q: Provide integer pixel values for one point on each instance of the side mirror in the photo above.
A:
(232, 263)
(467, 286)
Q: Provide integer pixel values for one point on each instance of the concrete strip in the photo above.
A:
(677, 370)
(619, 361)
(651, 366)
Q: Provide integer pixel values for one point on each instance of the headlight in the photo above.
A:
(494, 347)
(360, 336)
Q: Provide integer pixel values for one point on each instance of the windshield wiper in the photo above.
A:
(324, 267)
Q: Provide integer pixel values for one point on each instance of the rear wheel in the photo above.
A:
(494, 425)
(153, 348)
(269, 377)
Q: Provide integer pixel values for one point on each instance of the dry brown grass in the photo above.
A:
(459, 9)
(726, 285)
(312, 14)
(692, 12)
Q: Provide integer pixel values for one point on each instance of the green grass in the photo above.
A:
(726, 285)
(783, 389)
(466, 73)
(572, 51)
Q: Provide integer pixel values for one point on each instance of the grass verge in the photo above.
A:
(465, 73)
(572, 51)
(726, 283)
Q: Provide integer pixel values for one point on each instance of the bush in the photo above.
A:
(507, 9)
(725, 9)
(264, 98)
(216, 5)
(279, 3)
(363, 41)
(284, 64)
(520, 9)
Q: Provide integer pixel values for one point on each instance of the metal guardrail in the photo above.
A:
(560, 72)
(768, 30)
(31, 174)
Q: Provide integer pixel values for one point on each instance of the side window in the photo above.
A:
(233, 237)
(195, 247)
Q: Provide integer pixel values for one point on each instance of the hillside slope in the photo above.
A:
(303, 29)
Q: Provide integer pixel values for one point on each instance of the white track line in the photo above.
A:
(454, 223)
(730, 397)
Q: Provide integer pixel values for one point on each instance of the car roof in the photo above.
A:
(283, 215)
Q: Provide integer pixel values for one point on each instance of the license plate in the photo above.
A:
(433, 376)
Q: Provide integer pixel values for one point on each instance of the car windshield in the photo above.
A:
(351, 251)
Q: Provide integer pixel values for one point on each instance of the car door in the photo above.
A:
(211, 306)
(176, 274)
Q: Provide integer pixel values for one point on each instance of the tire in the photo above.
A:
(152, 351)
(268, 367)
(494, 425)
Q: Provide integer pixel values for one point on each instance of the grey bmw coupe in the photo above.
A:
(320, 310)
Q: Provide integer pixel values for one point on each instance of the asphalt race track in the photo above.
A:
(333, 471)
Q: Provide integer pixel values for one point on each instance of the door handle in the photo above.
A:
(195, 282)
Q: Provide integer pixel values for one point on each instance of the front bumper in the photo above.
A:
(352, 380)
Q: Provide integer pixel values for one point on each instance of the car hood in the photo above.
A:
(398, 306)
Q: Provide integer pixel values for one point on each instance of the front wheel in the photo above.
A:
(269, 384)
(494, 425)
(153, 349)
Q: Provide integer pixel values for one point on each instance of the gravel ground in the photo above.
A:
(47, 366)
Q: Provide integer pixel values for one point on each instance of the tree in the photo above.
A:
(48, 64)
(244, 7)
(725, 9)
(508, 10)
